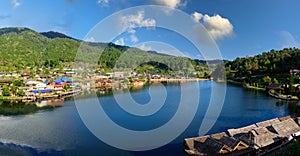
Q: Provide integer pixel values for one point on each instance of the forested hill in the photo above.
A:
(275, 62)
(23, 48)
(52, 34)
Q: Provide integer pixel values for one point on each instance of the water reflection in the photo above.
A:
(62, 129)
(293, 108)
(11, 108)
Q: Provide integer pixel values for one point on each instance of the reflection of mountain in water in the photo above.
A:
(8, 108)
(293, 107)
(62, 132)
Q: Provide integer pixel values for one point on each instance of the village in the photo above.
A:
(15, 85)
(68, 82)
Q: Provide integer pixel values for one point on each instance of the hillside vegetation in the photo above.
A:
(281, 67)
(23, 49)
(273, 62)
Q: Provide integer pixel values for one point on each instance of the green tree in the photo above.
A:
(67, 87)
(275, 81)
(14, 90)
(5, 91)
(20, 93)
(291, 84)
(18, 83)
(267, 80)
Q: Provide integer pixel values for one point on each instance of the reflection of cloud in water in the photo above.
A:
(14, 149)
(36, 130)
(205, 85)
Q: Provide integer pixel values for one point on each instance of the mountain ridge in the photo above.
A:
(22, 48)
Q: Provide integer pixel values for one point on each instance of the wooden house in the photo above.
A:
(255, 139)
(232, 143)
(261, 137)
(267, 122)
(286, 128)
(285, 118)
(190, 147)
(211, 147)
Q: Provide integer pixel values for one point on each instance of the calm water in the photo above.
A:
(61, 132)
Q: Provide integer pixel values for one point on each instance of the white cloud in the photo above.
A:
(217, 26)
(197, 16)
(130, 22)
(171, 3)
(15, 3)
(103, 2)
(145, 47)
(91, 39)
(120, 41)
(134, 39)
(288, 40)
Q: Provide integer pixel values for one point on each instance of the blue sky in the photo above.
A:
(239, 27)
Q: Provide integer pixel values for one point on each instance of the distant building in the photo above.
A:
(36, 84)
(70, 73)
(295, 70)
(119, 75)
(274, 86)
(156, 76)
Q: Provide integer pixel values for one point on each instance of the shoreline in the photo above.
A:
(178, 80)
(281, 96)
(35, 98)
(244, 85)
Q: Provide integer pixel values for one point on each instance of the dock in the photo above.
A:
(261, 138)
(177, 80)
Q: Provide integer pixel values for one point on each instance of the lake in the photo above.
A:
(60, 131)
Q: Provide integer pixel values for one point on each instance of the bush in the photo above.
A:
(20, 93)
(292, 149)
(5, 91)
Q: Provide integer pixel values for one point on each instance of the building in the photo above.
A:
(267, 122)
(230, 142)
(295, 70)
(261, 137)
(286, 128)
(119, 75)
(256, 139)
(36, 85)
(216, 144)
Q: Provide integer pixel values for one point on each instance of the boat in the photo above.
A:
(42, 103)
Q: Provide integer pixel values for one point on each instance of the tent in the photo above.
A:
(42, 91)
(63, 79)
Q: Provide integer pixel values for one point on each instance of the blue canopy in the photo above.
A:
(46, 82)
(65, 79)
(62, 79)
(42, 91)
(58, 81)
